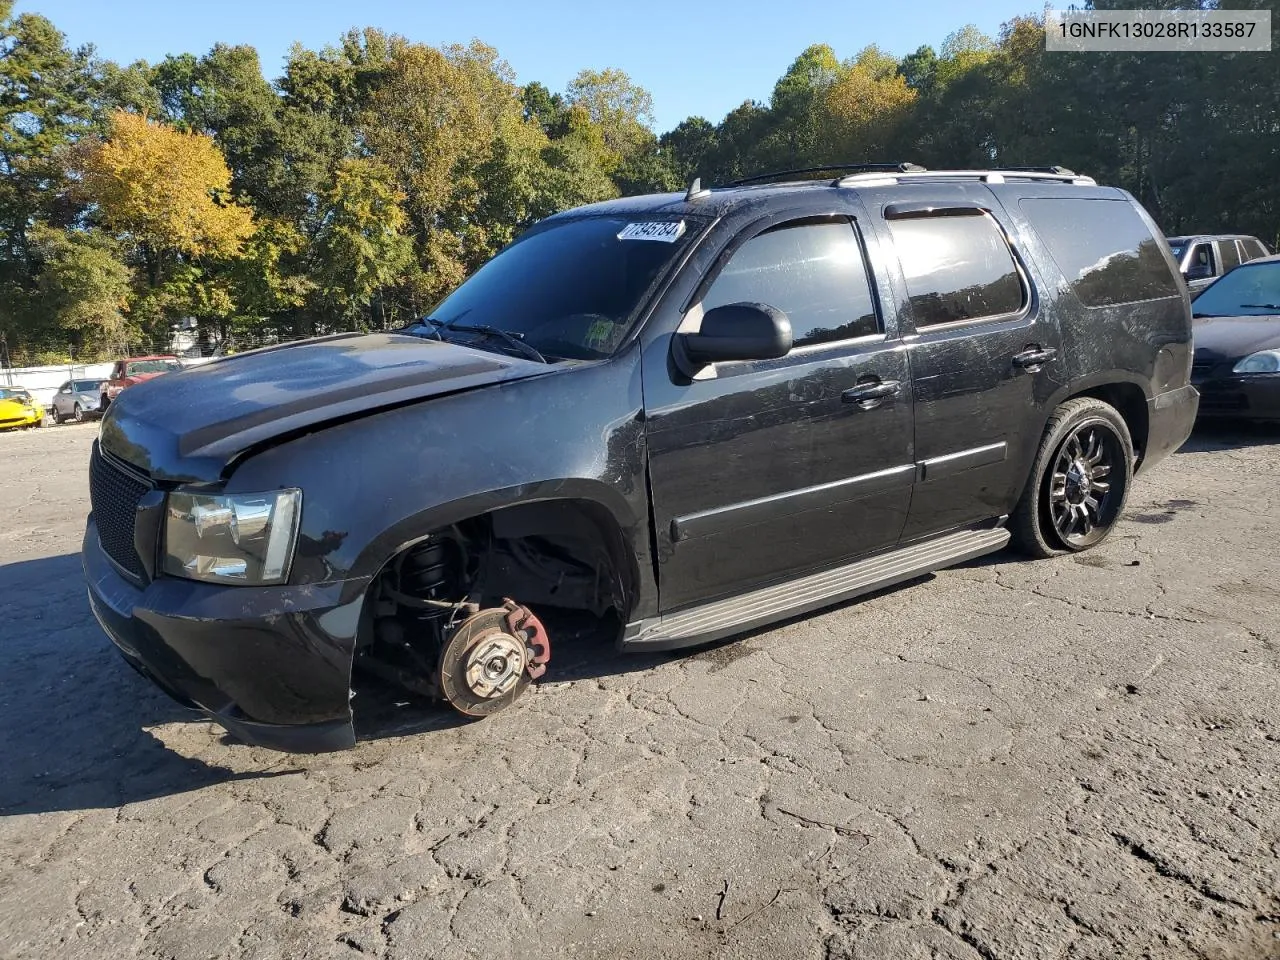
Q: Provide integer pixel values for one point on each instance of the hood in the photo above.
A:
(1231, 338)
(188, 425)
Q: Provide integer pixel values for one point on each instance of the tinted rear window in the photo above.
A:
(957, 268)
(1104, 249)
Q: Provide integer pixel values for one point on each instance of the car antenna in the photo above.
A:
(696, 190)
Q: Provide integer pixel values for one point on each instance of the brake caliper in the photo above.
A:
(522, 623)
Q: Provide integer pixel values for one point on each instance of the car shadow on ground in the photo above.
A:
(1211, 436)
(75, 717)
(78, 721)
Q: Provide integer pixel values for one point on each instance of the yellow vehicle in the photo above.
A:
(18, 408)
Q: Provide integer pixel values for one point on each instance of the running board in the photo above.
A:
(723, 618)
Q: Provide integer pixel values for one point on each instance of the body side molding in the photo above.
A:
(949, 464)
(707, 522)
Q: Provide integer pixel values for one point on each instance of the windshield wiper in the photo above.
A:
(1261, 306)
(512, 339)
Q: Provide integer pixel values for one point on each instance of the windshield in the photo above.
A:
(86, 386)
(570, 291)
(150, 366)
(11, 393)
(1251, 290)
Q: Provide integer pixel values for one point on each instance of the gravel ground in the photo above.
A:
(1011, 759)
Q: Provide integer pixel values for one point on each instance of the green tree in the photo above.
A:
(85, 286)
(795, 114)
(622, 109)
(43, 107)
(224, 95)
(691, 147)
(864, 112)
(920, 69)
(361, 248)
(544, 108)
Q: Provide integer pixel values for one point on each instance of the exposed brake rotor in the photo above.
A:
(491, 658)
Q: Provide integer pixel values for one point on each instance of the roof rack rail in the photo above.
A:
(1063, 171)
(986, 176)
(902, 167)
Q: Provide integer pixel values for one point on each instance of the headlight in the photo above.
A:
(239, 538)
(1264, 361)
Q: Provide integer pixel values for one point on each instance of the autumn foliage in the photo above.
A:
(373, 175)
(161, 189)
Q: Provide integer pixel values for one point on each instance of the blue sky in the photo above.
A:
(694, 58)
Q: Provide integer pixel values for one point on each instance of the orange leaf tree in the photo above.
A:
(163, 192)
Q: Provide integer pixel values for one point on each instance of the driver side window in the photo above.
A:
(813, 271)
(1202, 262)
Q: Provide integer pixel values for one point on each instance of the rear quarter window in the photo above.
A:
(958, 268)
(1103, 248)
(1230, 255)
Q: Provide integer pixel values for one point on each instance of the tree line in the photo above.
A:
(369, 179)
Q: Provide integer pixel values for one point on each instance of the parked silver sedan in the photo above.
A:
(76, 400)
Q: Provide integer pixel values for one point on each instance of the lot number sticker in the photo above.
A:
(663, 232)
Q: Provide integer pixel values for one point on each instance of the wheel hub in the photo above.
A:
(495, 664)
(1079, 483)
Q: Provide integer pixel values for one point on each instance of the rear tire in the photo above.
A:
(56, 416)
(1079, 481)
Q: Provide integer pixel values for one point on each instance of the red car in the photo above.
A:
(134, 370)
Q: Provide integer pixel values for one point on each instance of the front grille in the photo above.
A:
(114, 496)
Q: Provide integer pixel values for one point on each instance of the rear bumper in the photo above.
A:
(272, 665)
(1241, 398)
(1171, 417)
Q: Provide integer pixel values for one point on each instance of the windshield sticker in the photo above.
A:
(663, 232)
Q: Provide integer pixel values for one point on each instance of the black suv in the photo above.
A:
(689, 414)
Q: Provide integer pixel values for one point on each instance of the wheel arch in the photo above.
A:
(1126, 391)
(621, 536)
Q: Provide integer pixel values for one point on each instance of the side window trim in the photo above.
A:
(779, 221)
(952, 209)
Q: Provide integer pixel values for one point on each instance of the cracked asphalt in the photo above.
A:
(1011, 759)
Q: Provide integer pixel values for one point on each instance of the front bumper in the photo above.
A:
(1171, 416)
(1240, 398)
(27, 418)
(272, 665)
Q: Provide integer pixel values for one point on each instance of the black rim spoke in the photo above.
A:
(1079, 496)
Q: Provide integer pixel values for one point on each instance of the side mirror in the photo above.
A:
(738, 331)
